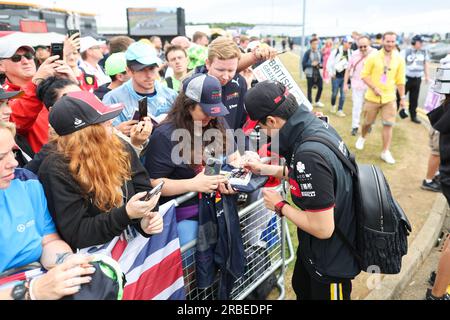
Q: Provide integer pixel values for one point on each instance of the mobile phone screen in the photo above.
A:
(57, 49)
(154, 191)
(143, 108)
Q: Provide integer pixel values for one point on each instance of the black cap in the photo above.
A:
(264, 98)
(80, 109)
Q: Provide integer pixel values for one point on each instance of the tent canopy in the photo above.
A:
(31, 39)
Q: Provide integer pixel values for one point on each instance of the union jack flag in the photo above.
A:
(152, 266)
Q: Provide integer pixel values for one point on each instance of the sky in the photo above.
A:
(325, 17)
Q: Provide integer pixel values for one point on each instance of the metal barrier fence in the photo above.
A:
(265, 236)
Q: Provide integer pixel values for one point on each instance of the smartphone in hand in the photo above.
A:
(142, 108)
(213, 167)
(71, 32)
(57, 49)
(156, 190)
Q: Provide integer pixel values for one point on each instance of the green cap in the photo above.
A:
(115, 64)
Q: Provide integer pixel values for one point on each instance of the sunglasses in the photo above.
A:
(362, 47)
(18, 57)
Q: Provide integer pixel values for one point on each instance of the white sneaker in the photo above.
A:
(333, 109)
(387, 157)
(360, 143)
(341, 114)
(319, 104)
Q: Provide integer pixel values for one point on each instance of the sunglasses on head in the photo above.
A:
(18, 57)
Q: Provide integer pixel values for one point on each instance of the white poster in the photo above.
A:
(276, 71)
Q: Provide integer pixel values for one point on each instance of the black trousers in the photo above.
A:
(307, 288)
(413, 87)
(314, 81)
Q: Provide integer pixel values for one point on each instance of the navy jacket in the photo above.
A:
(219, 244)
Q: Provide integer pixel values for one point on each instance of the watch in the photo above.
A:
(279, 207)
(20, 291)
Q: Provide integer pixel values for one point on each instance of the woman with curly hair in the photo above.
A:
(93, 180)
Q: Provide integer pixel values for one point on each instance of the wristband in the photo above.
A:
(279, 207)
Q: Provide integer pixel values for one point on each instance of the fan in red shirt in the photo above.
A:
(28, 113)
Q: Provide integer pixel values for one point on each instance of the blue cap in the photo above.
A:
(207, 91)
(140, 55)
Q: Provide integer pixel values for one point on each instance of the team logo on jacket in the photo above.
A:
(300, 167)
(89, 80)
(295, 188)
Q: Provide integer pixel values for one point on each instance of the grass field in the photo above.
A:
(409, 148)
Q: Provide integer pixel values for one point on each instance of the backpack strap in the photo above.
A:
(354, 171)
(337, 152)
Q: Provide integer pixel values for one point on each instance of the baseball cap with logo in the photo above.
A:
(140, 55)
(115, 64)
(77, 110)
(263, 99)
(207, 91)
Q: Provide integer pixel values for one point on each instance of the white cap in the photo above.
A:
(89, 42)
(10, 44)
(252, 45)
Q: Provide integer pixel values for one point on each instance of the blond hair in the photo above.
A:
(223, 48)
(8, 126)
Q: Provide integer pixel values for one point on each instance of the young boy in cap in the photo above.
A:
(91, 54)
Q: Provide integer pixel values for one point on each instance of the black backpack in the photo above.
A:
(382, 226)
